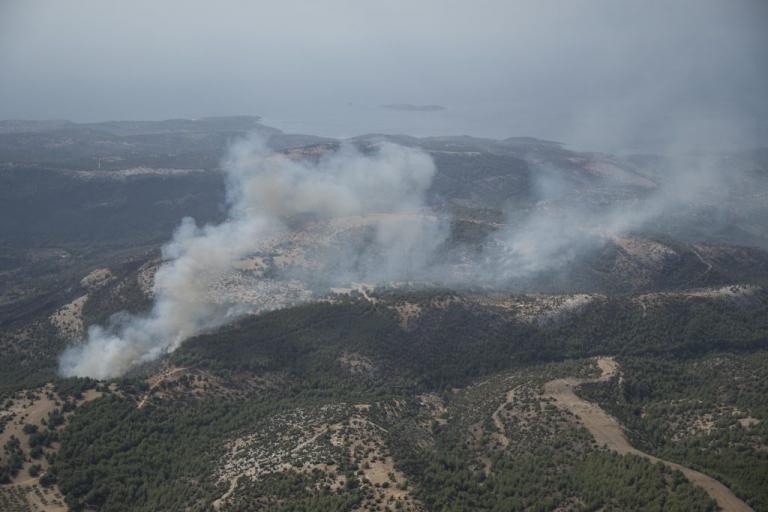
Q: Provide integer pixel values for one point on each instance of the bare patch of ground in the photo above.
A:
(156, 380)
(97, 279)
(68, 320)
(146, 277)
(691, 423)
(537, 308)
(648, 252)
(500, 434)
(435, 407)
(298, 440)
(252, 263)
(687, 425)
(551, 308)
(365, 443)
(606, 169)
(724, 292)
(729, 292)
(122, 174)
(255, 294)
(408, 313)
(357, 364)
(31, 498)
(177, 383)
(359, 289)
(314, 442)
(749, 422)
(32, 408)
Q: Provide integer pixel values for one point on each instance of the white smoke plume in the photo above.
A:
(378, 200)
(265, 189)
(560, 228)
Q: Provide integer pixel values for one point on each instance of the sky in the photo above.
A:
(600, 74)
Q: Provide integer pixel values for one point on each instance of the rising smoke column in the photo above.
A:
(265, 188)
(387, 188)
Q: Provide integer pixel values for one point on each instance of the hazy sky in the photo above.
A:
(598, 74)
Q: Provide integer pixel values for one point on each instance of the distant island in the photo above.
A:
(407, 107)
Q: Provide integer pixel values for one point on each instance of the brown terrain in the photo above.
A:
(32, 408)
(308, 442)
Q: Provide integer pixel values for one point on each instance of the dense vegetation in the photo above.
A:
(549, 463)
(163, 455)
(117, 457)
(707, 412)
(452, 344)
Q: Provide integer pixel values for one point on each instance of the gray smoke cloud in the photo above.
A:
(561, 227)
(266, 189)
(341, 217)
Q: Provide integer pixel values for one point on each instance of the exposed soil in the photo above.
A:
(157, 380)
(408, 313)
(96, 279)
(303, 439)
(33, 409)
(357, 364)
(68, 320)
(501, 436)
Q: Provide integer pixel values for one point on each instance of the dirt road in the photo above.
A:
(156, 380)
(607, 431)
(501, 434)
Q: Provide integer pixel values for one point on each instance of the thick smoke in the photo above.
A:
(363, 218)
(266, 190)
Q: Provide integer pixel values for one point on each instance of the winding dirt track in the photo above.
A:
(607, 431)
(156, 381)
(501, 435)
